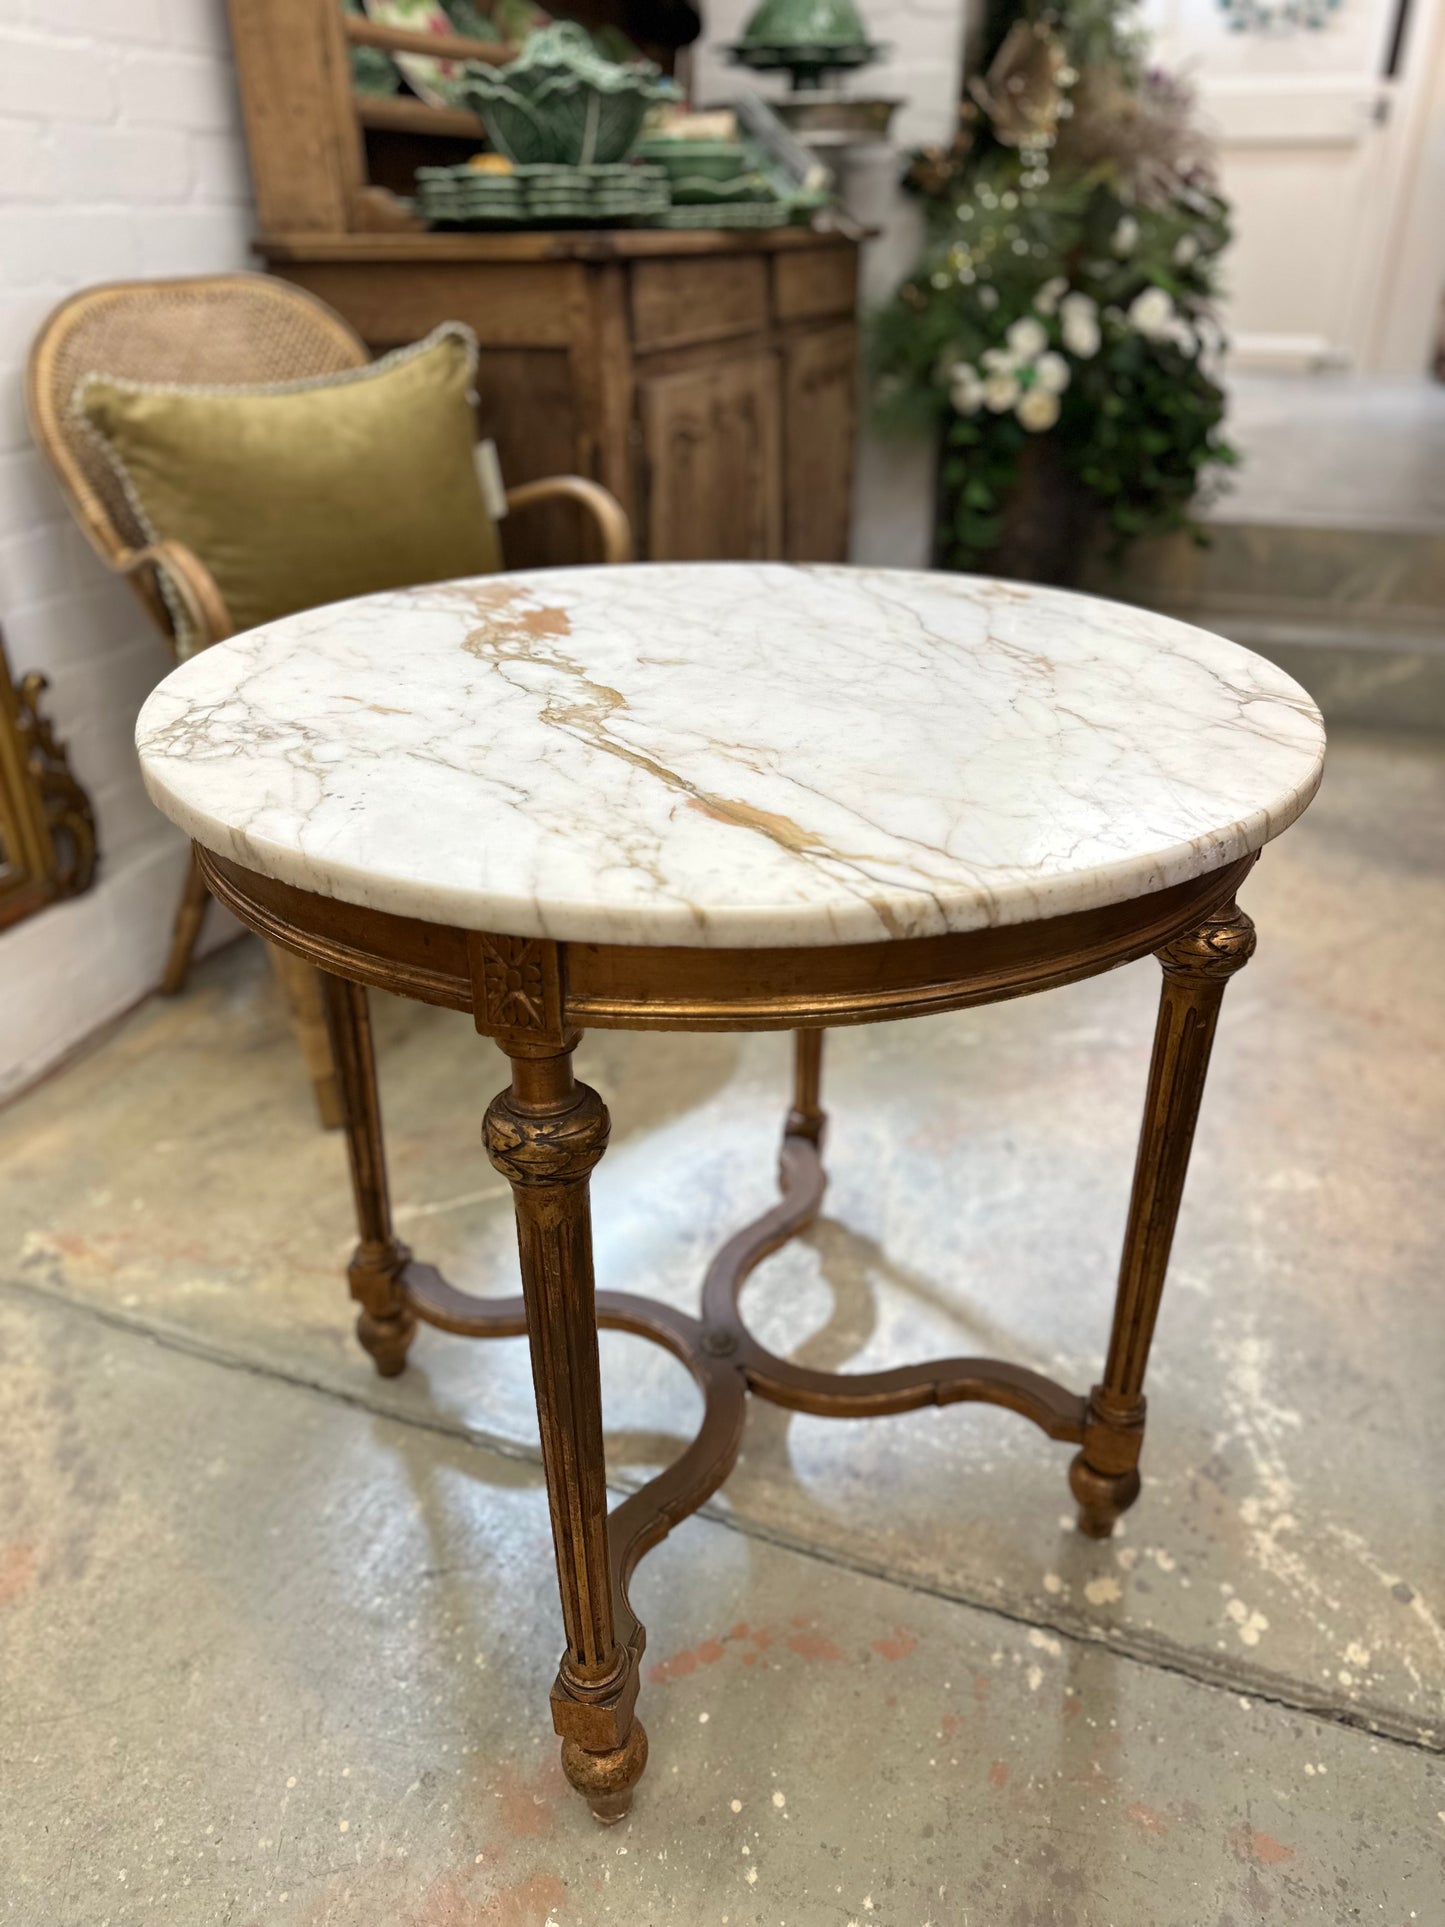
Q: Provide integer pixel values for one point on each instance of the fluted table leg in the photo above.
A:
(545, 1134)
(385, 1324)
(807, 1118)
(1197, 967)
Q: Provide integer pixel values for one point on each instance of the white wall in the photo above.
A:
(120, 155)
(893, 505)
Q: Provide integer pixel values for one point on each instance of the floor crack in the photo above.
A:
(1131, 1645)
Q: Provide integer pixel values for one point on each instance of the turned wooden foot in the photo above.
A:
(1102, 1497)
(1104, 1477)
(385, 1337)
(385, 1324)
(545, 1134)
(606, 1780)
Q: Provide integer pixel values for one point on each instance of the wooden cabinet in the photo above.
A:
(711, 442)
(820, 383)
(708, 379)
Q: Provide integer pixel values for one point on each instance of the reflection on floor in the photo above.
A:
(277, 1635)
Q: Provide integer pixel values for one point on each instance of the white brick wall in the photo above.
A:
(893, 495)
(120, 155)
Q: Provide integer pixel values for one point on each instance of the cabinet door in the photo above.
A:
(820, 406)
(711, 445)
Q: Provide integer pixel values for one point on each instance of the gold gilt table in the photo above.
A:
(728, 797)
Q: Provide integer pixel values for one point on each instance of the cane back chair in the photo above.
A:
(212, 330)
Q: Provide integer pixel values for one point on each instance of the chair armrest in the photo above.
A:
(207, 616)
(606, 511)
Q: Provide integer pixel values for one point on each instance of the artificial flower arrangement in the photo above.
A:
(1060, 329)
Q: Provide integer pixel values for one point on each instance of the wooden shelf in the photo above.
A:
(403, 115)
(362, 32)
(549, 244)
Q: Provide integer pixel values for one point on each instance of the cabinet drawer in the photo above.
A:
(677, 302)
(821, 281)
(523, 304)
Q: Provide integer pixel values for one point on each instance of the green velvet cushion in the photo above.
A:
(306, 492)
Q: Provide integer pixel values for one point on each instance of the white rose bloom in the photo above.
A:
(1000, 392)
(1186, 251)
(1038, 410)
(965, 388)
(1046, 301)
(1051, 373)
(1079, 319)
(999, 361)
(1152, 313)
(1027, 337)
(1125, 235)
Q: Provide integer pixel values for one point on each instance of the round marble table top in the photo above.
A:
(730, 754)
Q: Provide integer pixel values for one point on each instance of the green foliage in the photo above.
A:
(978, 470)
(1066, 289)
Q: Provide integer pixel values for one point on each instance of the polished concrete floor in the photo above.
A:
(276, 1636)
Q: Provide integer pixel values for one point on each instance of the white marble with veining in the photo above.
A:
(730, 754)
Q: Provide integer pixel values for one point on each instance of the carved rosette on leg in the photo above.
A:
(545, 1135)
(1105, 1475)
(385, 1324)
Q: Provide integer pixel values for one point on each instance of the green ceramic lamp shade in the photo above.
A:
(808, 38)
(806, 23)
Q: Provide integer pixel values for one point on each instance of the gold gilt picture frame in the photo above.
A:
(47, 829)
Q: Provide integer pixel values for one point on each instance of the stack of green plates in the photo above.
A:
(542, 195)
(461, 197)
(719, 184)
(731, 214)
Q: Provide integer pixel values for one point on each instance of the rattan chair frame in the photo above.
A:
(211, 329)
